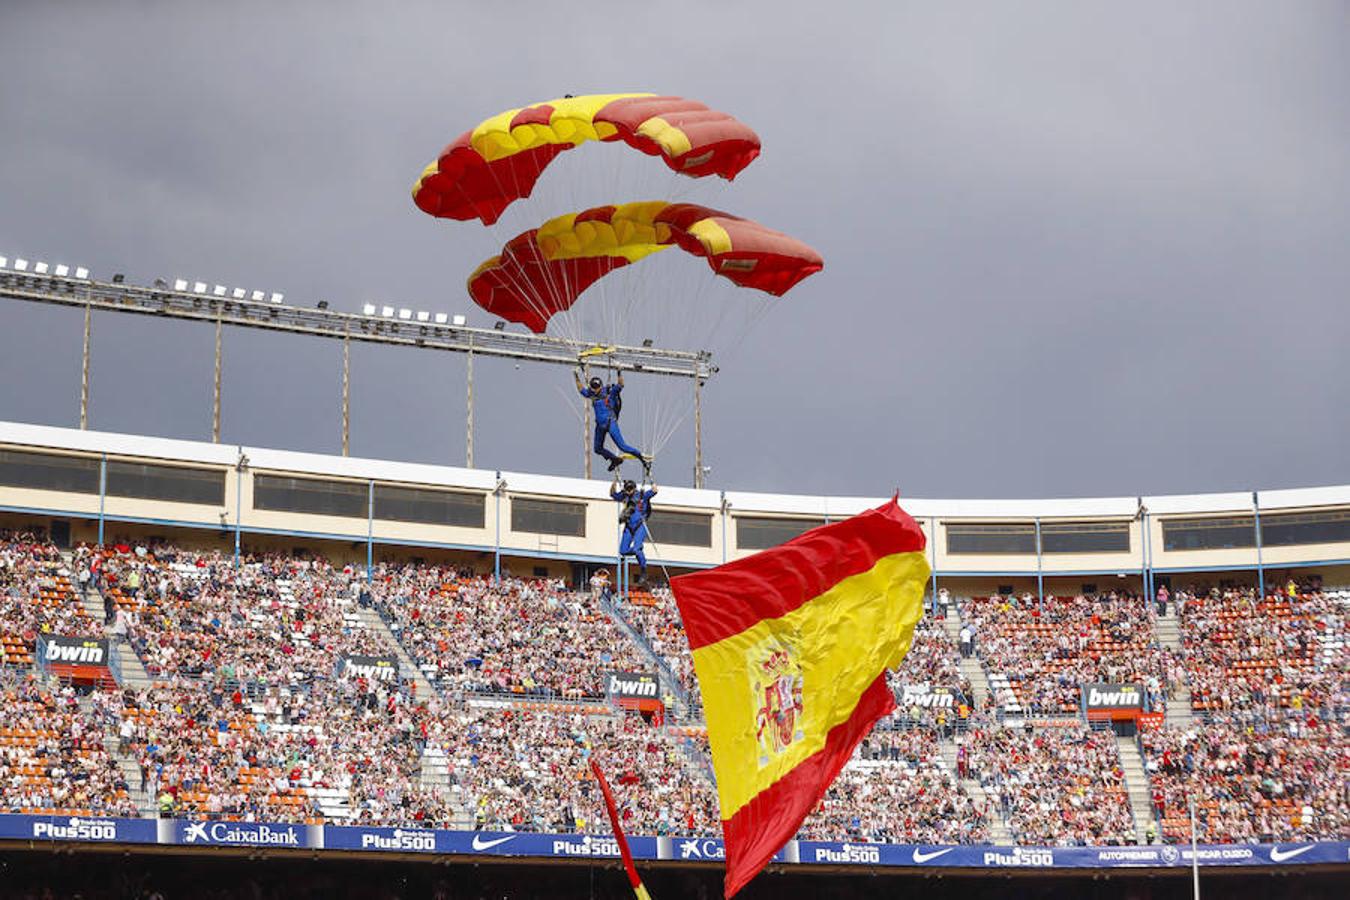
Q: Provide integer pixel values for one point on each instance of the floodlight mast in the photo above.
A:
(215, 304)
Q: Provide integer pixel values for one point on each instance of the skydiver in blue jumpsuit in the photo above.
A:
(607, 401)
(637, 508)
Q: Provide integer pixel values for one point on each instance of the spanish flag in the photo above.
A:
(791, 648)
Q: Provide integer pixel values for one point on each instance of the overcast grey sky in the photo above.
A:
(1071, 248)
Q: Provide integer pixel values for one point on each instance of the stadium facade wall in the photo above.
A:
(1133, 526)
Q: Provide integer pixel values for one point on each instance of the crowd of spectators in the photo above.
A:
(333, 750)
(52, 754)
(522, 637)
(897, 790)
(527, 770)
(37, 596)
(1252, 779)
(1061, 785)
(250, 717)
(271, 619)
(1245, 653)
(1048, 648)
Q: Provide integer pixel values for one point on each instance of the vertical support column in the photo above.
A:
(468, 431)
(370, 528)
(932, 558)
(698, 432)
(102, 493)
(1040, 576)
(215, 396)
(1195, 855)
(239, 470)
(1260, 565)
(586, 426)
(84, 370)
(346, 390)
(497, 539)
(1146, 555)
(726, 514)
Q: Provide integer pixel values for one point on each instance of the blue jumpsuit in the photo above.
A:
(635, 525)
(605, 402)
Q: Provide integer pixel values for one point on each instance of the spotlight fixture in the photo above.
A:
(646, 342)
(458, 320)
(405, 313)
(499, 325)
(199, 287)
(179, 284)
(219, 291)
(323, 304)
(277, 298)
(441, 318)
(159, 282)
(239, 293)
(41, 268)
(387, 312)
(257, 296)
(368, 309)
(20, 265)
(81, 272)
(62, 271)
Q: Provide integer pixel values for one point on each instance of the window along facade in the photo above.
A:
(535, 516)
(49, 472)
(1219, 533)
(1085, 537)
(1293, 529)
(316, 496)
(1017, 538)
(1004, 538)
(429, 506)
(761, 533)
(683, 528)
(177, 484)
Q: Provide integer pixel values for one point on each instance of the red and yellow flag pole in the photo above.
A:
(633, 878)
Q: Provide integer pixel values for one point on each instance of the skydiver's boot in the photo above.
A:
(646, 464)
(615, 463)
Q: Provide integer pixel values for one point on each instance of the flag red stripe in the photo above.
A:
(760, 828)
(720, 602)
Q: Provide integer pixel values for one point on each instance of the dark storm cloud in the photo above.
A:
(1071, 248)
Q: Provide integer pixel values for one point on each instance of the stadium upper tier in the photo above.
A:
(93, 478)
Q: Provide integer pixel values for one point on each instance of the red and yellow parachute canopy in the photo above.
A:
(543, 271)
(488, 168)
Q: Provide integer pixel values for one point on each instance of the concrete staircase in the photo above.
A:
(435, 776)
(131, 770)
(1168, 631)
(1136, 786)
(407, 666)
(683, 707)
(132, 674)
(969, 665)
(998, 828)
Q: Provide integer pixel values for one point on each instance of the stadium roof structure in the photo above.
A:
(197, 301)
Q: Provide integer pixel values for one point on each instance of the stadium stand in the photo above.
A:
(247, 713)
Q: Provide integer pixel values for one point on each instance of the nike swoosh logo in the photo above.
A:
(480, 844)
(1278, 855)
(921, 857)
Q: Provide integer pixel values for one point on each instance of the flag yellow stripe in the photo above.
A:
(842, 640)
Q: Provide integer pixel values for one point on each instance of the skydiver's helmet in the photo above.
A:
(629, 486)
(596, 384)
